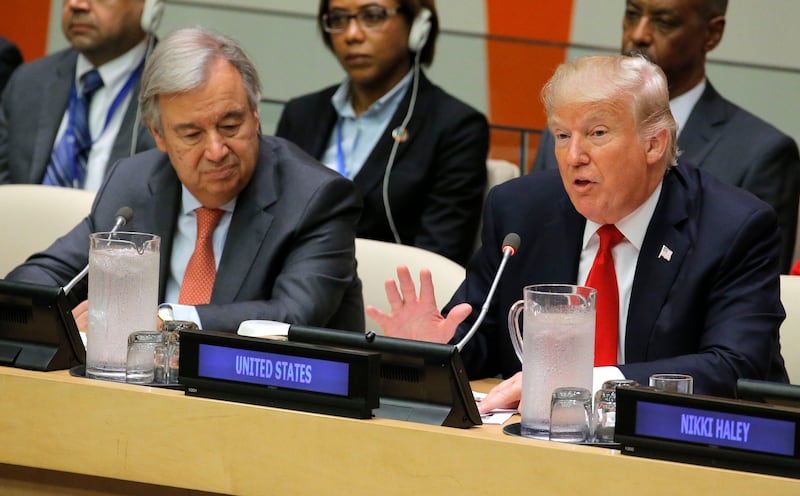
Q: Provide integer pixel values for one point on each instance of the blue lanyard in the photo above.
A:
(126, 88)
(340, 164)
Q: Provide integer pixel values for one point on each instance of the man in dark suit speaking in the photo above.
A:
(695, 265)
(283, 225)
(714, 134)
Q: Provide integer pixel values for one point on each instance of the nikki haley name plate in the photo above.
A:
(708, 430)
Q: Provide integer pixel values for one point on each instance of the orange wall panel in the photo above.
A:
(518, 69)
(25, 23)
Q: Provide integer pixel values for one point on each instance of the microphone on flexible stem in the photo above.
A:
(124, 216)
(510, 247)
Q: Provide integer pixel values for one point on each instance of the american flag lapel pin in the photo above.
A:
(665, 253)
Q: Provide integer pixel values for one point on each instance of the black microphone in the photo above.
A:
(510, 247)
(124, 216)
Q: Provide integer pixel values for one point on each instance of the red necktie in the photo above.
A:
(603, 278)
(198, 280)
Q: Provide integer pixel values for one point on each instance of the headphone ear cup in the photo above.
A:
(151, 15)
(420, 30)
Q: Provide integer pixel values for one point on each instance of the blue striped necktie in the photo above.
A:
(68, 162)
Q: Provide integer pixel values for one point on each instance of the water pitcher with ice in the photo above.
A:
(558, 349)
(123, 297)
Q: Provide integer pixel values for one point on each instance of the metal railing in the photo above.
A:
(524, 135)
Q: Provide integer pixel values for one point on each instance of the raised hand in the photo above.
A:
(414, 317)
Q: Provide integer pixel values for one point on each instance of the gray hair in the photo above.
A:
(181, 62)
(610, 79)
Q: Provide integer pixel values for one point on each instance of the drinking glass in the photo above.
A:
(571, 415)
(605, 414)
(673, 383)
(615, 383)
(140, 366)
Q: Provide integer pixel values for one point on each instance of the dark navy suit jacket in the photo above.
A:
(712, 311)
(289, 253)
(438, 180)
(738, 148)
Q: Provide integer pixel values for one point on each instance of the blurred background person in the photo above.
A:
(416, 153)
(65, 118)
(713, 133)
(10, 59)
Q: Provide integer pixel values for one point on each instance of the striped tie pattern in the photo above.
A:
(201, 271)
(68, 162)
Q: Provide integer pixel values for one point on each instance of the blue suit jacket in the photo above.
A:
(712, 311)
(738, 148)
(438, 179)
(289, 253)
(32, 106)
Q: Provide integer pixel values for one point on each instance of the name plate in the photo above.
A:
(706, 430)
(284, 374)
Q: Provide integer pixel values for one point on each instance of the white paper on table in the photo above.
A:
(496, 416)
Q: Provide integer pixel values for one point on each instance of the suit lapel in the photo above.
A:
(657, 268)
(249, 226)
(321, 128)
(371, 174)
(163, 205)
(559, 240)
(55, 99)
(703, 128)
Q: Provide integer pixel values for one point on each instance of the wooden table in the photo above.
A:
(77, 436)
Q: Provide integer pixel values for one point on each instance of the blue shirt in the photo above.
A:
(358, 135)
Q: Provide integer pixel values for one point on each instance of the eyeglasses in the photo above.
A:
(369, 17)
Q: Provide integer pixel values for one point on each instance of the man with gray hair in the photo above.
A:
(693, 262)
(251, 226)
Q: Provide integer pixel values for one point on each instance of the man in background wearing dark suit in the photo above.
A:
(34, 112)
(284, 225)
(10, 58)
(713, 133)
(696, 265)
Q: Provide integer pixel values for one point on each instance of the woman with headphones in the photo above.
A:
(416, 153)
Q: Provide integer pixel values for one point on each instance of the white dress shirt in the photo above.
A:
(682, 106)
(626, 255)
(183, 246)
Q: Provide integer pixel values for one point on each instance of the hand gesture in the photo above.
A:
(415, 317)
(505, 395)
(81, 315)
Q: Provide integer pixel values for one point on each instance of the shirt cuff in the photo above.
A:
(174, 311)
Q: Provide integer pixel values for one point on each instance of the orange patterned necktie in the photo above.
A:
(603, 278)
(198, 280)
